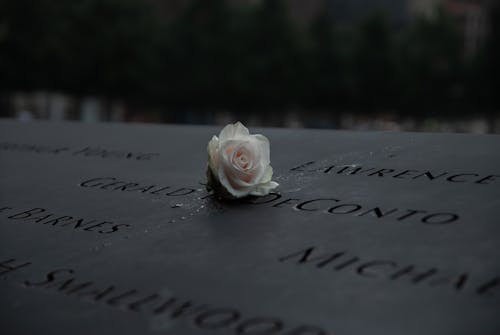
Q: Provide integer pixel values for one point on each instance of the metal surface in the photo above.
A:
(108, 229)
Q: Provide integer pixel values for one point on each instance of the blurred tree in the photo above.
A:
(325, 82)
(226, 57)
(485, 78)
(101, 47)
(275, 63)
(431, 64)
(220, 55)
(198, 59)
(116, 46)
(29, 39)
(372, 66)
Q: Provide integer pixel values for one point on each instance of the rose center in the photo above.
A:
(241, 160)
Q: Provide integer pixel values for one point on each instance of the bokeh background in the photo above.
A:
(418, 65)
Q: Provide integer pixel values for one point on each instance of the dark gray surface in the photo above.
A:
(233, 257)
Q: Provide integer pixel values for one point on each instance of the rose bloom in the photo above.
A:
(239, 163)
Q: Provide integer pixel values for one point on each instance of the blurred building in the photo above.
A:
(354, 11)
(303, 12)
(425, 8)
(471, 17)
(56, 106)
(170, 8)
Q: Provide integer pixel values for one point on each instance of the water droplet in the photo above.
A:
(177, 205)
(183, 218)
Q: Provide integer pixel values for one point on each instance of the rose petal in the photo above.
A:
(264, 189)
(212, 148)
(268, 175)
(263, 147)
(237, 193)
(233, 131)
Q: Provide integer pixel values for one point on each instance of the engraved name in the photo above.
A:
(337, 206)
(85, 151)
(49, 218)
(398, 174)
(327, 205)
(202, 316)
(391, 270)
(115, 184)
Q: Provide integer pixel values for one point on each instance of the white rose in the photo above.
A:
(239, 163)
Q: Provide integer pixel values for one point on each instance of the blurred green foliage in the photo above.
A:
(249, 57)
